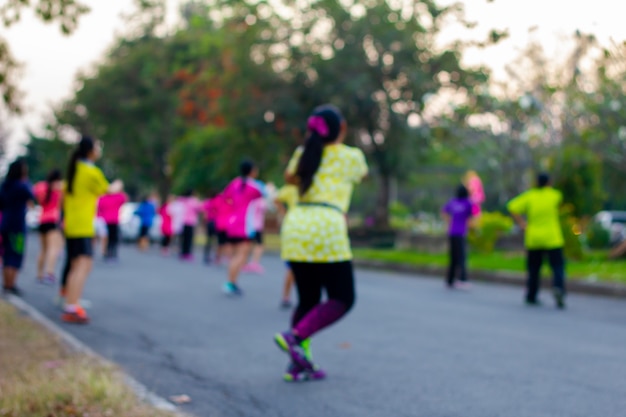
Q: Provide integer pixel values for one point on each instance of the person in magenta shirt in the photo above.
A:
(109, 206)
(49, 194)
(192, 209)
(167, 225)
(239, 195)
(210, 215)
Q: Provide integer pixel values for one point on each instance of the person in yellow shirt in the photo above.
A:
(537, 213)
(286, 199)
(314, 236)
(85, 184)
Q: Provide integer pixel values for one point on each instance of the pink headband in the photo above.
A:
(318, 124)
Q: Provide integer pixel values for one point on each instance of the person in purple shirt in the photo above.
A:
(458, 213)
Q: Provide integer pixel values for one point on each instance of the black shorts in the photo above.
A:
(258, 238)
(14, 244)
(238, 240)
(44, 228)
(79, 246)
(222, 238)
(143, 231)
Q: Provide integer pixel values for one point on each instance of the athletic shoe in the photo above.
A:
(290, 344)
(559, 298)
(533, 303)
(462, 285)
(286, 305)
(232, 289)
(59, 301)
(255, 268)
(12, 291)
(48, 279)
(295, 373)
(76, 317)
(186, 258)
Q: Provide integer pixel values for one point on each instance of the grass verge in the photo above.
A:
(39, 377)
(595, 267)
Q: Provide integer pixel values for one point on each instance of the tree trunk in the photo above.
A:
(381, 215)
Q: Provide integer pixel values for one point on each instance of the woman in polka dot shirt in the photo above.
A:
(315, 234)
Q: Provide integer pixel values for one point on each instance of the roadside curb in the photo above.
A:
(141, 391)
(506, 278)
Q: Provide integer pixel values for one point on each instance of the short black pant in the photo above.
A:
(222, 238)
(258, 238)
(45, 228)
(143, 231)
(238, 240)
(79, 246)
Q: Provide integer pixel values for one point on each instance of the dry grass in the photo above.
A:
(40, 378)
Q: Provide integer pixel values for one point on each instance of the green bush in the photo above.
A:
(598, 237)
(487, 229)
(571, 226)
(400, 216)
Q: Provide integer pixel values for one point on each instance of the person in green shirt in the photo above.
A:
(537, 213)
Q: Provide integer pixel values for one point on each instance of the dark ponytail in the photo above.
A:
(324, 126)
(245, 169)
(85, 146)
(53, 176)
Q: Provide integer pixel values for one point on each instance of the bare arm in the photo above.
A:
(291, 179)
(521, 222)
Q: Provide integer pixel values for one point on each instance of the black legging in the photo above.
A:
(311, 278)
(113, 240)
(458, 259)
(187, 240)
(534, 261)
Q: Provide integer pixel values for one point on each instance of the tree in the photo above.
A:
(379, 62)
(65, 12)
(43, 155)
(131, 105)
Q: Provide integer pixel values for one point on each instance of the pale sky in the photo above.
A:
(52, 60)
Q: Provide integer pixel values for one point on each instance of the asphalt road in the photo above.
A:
(409, 348)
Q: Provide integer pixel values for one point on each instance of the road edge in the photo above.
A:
(141, 391)
(495, 277)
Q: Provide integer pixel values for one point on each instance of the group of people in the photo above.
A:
(536, 212)
(68, 206)
(319, 179)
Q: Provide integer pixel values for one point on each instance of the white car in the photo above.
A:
(130, 224)
(614, 222)
(32, 217)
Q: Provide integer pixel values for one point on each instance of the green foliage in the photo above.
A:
(570, 225)
(597, 236)
(487, 229)
(400, 210)
(43, 155)
(65, 12)
(580, 180)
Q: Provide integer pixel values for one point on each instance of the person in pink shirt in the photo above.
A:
(167, 225)
(476, 190)
(109, 206)
(258, 208)
(209, 208)
(239, 195)
(49, 194)
(192, 209)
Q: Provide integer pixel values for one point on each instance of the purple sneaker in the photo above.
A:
(48, 279)
(295, 373)
(288, 343)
